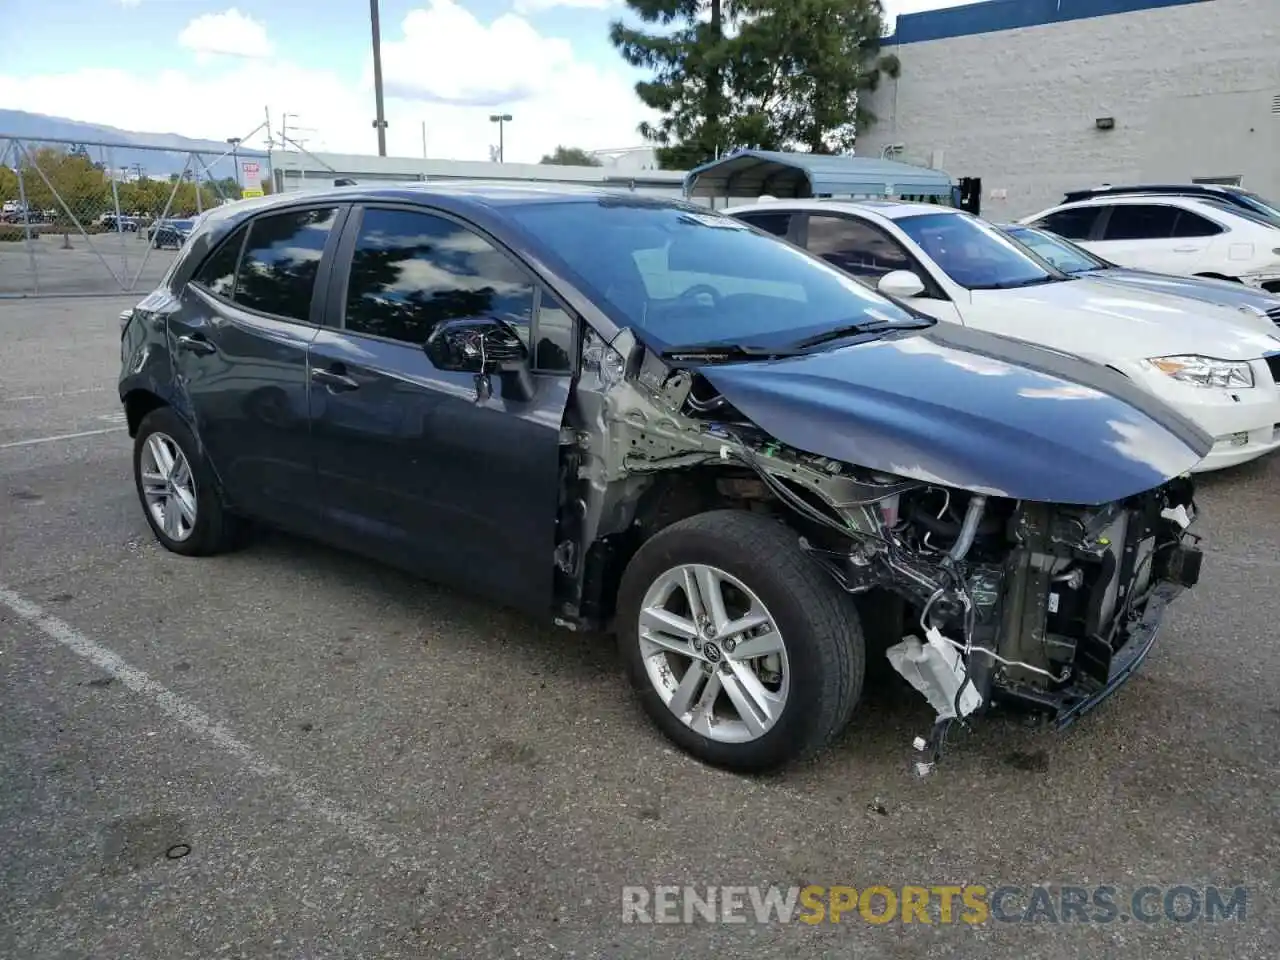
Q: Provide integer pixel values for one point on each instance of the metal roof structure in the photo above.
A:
(752, 173)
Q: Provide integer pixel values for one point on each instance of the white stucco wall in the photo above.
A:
(1192, 90)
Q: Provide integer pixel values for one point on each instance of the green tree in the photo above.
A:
(771, 74)
(570, 157)
(52, 177)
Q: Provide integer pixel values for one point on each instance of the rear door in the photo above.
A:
(415, 465)
(239, 347)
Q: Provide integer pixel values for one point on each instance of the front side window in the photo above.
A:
(1191, 224)
(281, 259)
(1140, 221)
(686, 275)
(856, 246)
(975, 254)
(412, 271)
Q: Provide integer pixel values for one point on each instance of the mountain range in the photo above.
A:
(127, 149)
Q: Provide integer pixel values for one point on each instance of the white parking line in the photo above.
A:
(200, 723)
(53, 396)
(61, 436)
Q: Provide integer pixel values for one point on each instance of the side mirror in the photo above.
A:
(901, 283)
(476, 345)
(483, 346)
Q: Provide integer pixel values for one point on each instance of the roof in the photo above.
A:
(751, 173)
(889, 209)
(996, 15)
(1191, 202)
(1169, 188)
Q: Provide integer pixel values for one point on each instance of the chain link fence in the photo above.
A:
(82, 218)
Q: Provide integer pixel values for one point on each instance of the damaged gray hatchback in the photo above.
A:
(634, 414)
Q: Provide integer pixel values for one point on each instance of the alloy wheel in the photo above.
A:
(168, 486)
(714, 653)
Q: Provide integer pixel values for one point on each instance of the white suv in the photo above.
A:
(1191, 236)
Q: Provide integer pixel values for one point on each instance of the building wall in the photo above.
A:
(1009, 91)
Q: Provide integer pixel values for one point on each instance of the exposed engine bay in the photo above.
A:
(1004, 601)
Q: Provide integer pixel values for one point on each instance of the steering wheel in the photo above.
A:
(700, 292)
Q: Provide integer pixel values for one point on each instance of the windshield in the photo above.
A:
(1254, 213)
(975, 254)
(1269, 209)
(686, 275)
(1063, 254)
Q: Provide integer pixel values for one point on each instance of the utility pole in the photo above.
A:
(501, 119)
(235, 159)
(379, 124)
(424, 139)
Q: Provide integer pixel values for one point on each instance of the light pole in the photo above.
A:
(501, 119)
(380, 124)
(235, 158)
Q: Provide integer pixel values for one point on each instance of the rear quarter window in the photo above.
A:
(218, 272)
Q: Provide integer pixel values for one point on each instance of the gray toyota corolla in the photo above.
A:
(638, 415)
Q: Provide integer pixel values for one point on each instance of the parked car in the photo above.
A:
(169, 233)
(633, 413)
(1209, 362)
(1190, 236)
(1079, 262)
(1236, 196)
(118, 222)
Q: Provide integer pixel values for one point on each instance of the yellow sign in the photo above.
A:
(246, 194)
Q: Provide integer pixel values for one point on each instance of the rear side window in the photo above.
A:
(1140, 221)
(777, 224)
(281, 259)
(1076, 224)
(218, 273)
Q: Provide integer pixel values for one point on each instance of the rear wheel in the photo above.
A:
(739, 646)
(177, 490)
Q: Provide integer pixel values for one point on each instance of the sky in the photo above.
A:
(213, 68)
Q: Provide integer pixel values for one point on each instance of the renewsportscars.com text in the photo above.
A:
(935, 904)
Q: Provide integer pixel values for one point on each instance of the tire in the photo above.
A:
(821, 637)
(213, 530)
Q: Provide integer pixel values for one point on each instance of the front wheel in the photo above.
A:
(740, 647)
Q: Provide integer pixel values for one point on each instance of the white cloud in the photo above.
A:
(448, 56)
(231, 33)
(534, 6)
(443, 68)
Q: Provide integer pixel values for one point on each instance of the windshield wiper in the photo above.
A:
(869, 326)
(1016, 284)
(725, 352)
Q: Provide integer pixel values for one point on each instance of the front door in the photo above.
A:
(239, 346)
(415, 465)
(1154, 236)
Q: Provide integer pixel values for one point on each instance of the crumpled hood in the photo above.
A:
(1110, 322)
(964, 409)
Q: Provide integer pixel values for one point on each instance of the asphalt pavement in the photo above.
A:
(288, 752)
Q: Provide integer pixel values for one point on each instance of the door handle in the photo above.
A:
(1185, 249)
(197, 345)
(333, 380)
